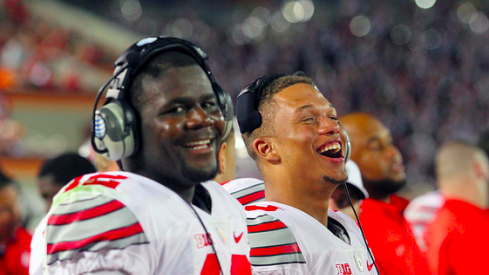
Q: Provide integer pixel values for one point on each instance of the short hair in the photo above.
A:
(159, 64)
(268, 109)
(484, 142)
(66, 167)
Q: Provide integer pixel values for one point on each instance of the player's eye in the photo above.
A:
(308, 119)
(209, 105)
(178, 109)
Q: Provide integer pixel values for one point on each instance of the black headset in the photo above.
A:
(249, 118)
(115, 131)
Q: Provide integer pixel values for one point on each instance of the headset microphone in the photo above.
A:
(360, 225)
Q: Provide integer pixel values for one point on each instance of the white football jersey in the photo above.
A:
(285, 240)
(125, 222)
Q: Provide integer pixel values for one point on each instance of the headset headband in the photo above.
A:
(247, 103)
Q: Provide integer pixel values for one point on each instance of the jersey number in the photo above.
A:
(239, 265)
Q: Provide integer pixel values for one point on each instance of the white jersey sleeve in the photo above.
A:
(89, 229)
(246, 190)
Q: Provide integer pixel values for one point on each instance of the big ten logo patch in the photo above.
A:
(203, 240)
(343, 269)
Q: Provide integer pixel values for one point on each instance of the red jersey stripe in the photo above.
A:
(224, 183)
(86, 214)
(73, 184)
(275, 250)
(266, 226)
(256, 207)
(112, 183)
(252, 197)
(111, 235)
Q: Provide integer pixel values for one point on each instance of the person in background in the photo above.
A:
(227, 159)
(57, 171)
(381, 166)
(457, 238)
(339, 199)
(421, 211)
(14, 239)
(245, 190)
(292, 133)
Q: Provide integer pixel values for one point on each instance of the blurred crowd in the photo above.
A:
(35, 54)
(421, 71)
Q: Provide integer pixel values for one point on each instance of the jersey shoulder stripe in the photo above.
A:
(272, 242)
(90, 213)
(90, 225)
(81, 204)
(266, 226)
(115, 234)
(111, 181)
(246, 190)
(255, 187)
(258, 196)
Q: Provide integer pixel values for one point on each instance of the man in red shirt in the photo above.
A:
(14, 240)
(381, 165)
(457, 238)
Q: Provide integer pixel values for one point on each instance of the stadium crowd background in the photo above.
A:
(420, 66)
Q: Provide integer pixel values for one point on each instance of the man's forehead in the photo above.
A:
(300, 95)
(377, 134)
(178, 75)
(190, 81)
(363, 126)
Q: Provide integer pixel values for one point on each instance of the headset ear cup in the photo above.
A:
(110, 134)
(347, 145)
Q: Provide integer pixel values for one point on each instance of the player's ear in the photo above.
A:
(221, 156)
(266, 150)
(480, 169)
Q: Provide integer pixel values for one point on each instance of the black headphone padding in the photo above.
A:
(249, 118)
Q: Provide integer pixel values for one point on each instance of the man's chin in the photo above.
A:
(199, 175)
(385, 187)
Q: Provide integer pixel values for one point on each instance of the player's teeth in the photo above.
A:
(198, 144)
(336, 147)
